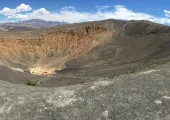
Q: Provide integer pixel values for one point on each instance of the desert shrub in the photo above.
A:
(30, 83)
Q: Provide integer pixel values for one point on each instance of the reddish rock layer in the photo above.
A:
(53, 47)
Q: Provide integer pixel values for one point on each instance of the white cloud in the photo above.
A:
(20, 16)
(23, 8)
(41, 11)
(167, 13)
(102, 7)
(71, 15)
(37, 14)
(69, 8)
(7, 11)
(12, 12)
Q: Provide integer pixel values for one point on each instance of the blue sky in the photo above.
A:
(74, 11)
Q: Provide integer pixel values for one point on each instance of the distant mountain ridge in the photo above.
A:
(41, 23)
(28, 25)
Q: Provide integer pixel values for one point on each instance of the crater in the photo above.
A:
(79, 53)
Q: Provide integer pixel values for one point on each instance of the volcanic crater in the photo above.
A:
(77, 52)
(101, 70)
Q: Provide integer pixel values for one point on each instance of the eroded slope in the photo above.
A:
(48, 51)
(139, 44)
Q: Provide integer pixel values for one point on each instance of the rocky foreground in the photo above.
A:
(137, 96)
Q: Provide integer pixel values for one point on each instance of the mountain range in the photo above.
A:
(28, 25)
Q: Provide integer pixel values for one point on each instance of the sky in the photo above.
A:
(75, 11)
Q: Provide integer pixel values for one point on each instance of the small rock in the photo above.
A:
(158, 102)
